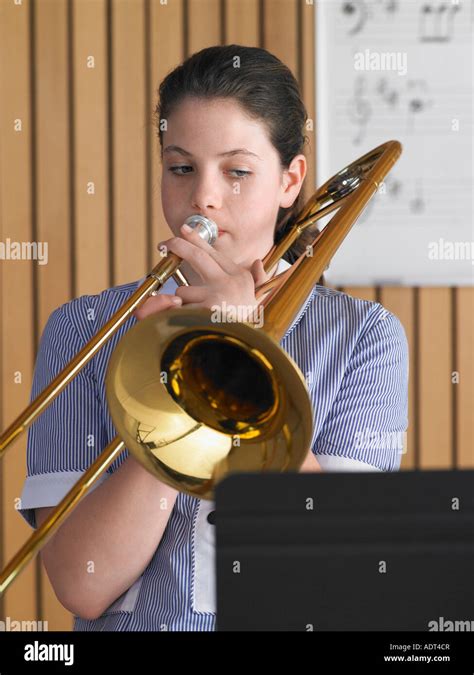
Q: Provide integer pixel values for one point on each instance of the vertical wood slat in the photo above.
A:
(91, 186)
(203, 20)
(3, 424)
(435, 421)
(16, 302)
(464, 365)
(166, 51)
(129, 124)
(362, 292)
(242, 22)
(306, 41)
(53, 170)
(281, 18)
(280, 31)
(53, 183)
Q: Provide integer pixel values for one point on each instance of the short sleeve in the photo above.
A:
(70, 433)
(366, 425)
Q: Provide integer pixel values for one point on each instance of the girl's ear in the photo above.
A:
(292, 180)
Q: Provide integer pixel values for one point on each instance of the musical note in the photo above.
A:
(417, 204)
(390, 6)
(418, 101)
(362, 10)
(389, 95)
(436, 24)
(407, 103)
(359, 10)
(360, 110)
(391, 186)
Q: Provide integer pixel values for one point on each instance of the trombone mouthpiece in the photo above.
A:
(206, 228)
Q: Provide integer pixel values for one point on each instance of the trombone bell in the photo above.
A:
(194, 400)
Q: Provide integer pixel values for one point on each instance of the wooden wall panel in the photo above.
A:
(307, 79)
(242, 24)
(434, 365)
(167, 38)
(280, 22)
(464, 388)
(363, 292)
(203, 24)
(53, 153)
(128, 119)
(16, 278)
(90, 213)
(51, 28)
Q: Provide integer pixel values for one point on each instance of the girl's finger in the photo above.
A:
(258, 272)
(191, 293)
(157, 303)
(200, 260)
(224, 261)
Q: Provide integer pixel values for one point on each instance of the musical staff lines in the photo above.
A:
(403, 70)
(409, 107)
(420, 21)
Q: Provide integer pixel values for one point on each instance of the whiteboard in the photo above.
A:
(388, 69)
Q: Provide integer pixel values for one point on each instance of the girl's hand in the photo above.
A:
(223, 281)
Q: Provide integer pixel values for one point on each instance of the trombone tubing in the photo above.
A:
(57, 517)
(278, 314)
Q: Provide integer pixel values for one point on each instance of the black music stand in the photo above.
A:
(345, 551)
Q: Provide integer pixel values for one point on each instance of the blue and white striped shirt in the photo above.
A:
(354, 356)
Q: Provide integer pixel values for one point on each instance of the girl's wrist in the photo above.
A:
(310, 464)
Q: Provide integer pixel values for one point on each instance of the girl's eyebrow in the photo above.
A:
(229, 153)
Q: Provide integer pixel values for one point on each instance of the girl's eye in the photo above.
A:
(177, 171)
(243, 174)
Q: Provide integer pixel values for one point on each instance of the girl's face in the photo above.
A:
(219, 163)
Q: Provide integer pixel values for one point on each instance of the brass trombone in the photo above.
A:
(194, 399)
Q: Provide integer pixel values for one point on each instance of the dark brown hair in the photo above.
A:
(265, 89)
